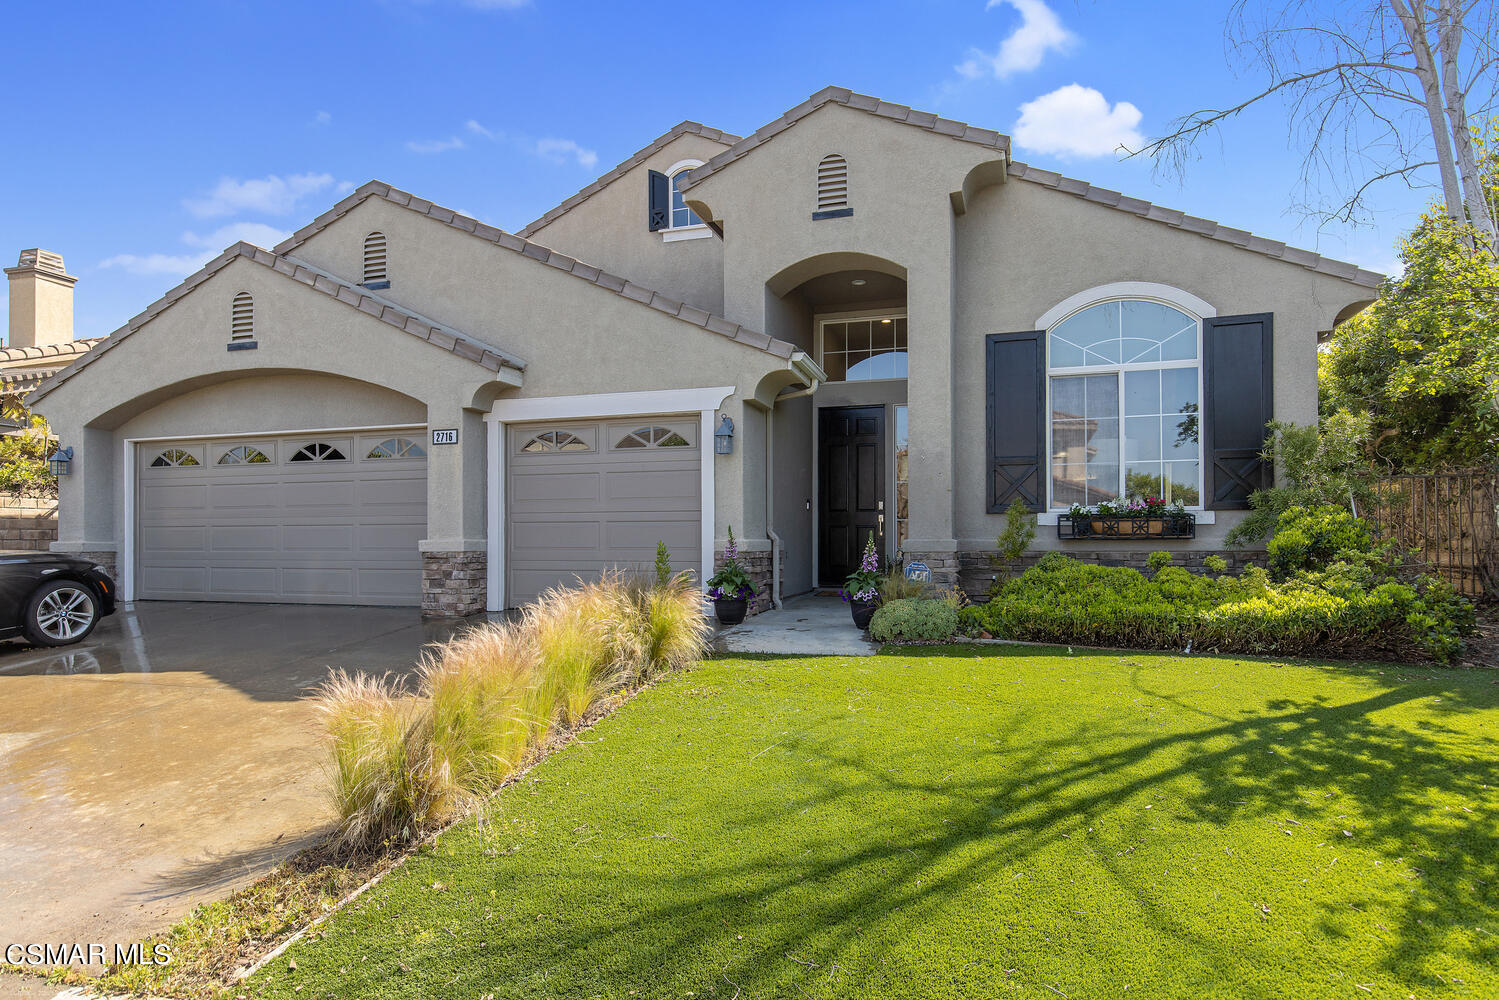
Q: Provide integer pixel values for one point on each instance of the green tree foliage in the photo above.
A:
(1422, 363)
(24, 454)
(1315, 468)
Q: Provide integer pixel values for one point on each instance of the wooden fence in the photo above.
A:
(1450, 521)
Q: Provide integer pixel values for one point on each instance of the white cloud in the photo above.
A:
(1040, 31)
(272, 195)
(176, 265)
(1077, 121)
(562, 150)
(257, 233)
(322, 118)
(435, 145)
(478, 129)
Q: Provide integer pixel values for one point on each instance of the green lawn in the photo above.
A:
(969, 823)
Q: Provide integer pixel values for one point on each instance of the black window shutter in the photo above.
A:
(1015, 366)
(1238, 404)
(658, 192)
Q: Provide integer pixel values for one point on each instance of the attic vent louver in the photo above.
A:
(374, 261)
(832, 188)
(242, 317)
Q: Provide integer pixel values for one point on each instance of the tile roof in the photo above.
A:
(543, 255)
(73, 348)
(442, 337)
(962, 131)
(630, 163)
(1203, 227)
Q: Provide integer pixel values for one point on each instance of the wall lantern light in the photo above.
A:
(723, 438)
(61, 462)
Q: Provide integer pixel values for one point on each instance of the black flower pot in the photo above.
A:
(863, 611)
(730, 610)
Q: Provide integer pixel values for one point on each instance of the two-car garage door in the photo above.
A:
(583, 496)
(327, 518)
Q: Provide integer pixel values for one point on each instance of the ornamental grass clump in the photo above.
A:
(403, 762)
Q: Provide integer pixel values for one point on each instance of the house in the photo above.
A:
(897, 328)
(41, 323)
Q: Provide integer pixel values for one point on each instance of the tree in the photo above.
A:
(1378, 90)
(1318, 467)
(1422, 363)
(24, 452)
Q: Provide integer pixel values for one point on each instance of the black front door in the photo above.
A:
(851, 488)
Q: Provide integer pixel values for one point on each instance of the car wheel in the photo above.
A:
(60, 613)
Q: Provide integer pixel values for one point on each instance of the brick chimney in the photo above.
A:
(41, 300)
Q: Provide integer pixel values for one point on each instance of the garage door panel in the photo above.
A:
(574, 514)
(329, 532)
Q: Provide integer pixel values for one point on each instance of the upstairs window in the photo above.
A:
(375, 275)
(242, 317)
(832, 183)
(864, 349)
(667, 210)
(681, 215)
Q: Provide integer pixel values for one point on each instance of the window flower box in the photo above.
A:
(1148, 518)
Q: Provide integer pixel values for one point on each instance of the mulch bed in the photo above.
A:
(1483, 647)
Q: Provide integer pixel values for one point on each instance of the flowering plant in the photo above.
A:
(863, 584)
(731, 582)
(1131, 507)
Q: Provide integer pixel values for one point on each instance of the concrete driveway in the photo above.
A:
(169, 758)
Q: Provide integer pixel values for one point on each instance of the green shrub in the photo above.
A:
(1311, 538)
(1355, 608)
(894, 586)
(1215, 564)
(1158, 561)
(914, 618)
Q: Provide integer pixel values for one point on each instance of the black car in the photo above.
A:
(51, 598)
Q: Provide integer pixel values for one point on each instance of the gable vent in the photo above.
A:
(832, 182)
(374, 261)
(242, 317)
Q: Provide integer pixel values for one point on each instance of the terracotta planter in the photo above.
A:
(730, 610)
(863, 611)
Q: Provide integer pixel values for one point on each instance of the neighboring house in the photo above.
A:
(41, 324)
(906, 328)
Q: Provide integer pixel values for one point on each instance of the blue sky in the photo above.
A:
(157, 134)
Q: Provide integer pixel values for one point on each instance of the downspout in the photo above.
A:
(770, 508)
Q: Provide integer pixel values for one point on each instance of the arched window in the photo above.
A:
(681, 216)
(244, 454)
(1124, 382)
(375, 274)
(173, 458)
(653, 437)
(317, 451)
(555, 441)
(397, 448)
(242, 317)
(832, 183)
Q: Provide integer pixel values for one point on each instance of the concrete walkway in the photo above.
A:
(805, 626)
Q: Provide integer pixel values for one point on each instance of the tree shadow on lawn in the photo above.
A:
(1306, 759)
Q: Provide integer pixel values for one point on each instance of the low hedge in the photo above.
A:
(1347, 602)
(914, 619)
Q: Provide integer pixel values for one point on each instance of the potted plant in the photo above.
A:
(861, 590)
(730, 589)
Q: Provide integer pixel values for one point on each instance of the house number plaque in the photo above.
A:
(445, 436)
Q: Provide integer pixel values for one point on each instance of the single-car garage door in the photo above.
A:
(584, 496)
(327, 518)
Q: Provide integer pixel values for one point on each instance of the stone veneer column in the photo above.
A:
(453, 583)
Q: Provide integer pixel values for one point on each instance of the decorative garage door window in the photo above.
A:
(397, 448)
(318, 451)
(245, 454)
(653, 437)
(555, 441)
(173, 458)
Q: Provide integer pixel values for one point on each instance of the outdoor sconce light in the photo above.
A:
(61, 462)
(723, 438)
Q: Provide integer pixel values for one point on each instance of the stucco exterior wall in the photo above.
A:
(575, 337)
(900, 180)
(609, 230)
(1023, 248)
